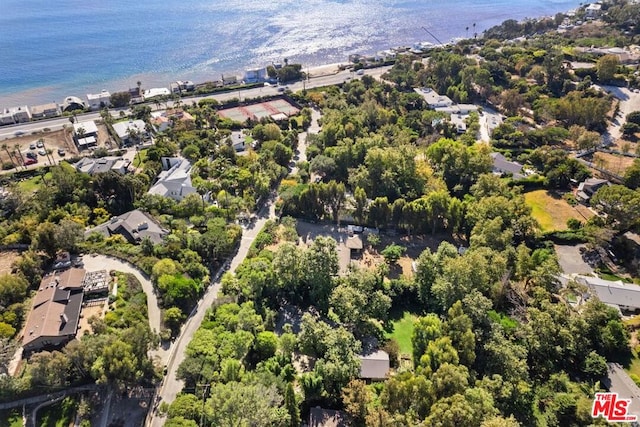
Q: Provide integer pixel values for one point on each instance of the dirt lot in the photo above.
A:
(88, 311)
(52, 141)
(6, 261)
(614, 163)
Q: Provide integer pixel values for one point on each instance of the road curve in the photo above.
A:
(171, 385)
(102, 262)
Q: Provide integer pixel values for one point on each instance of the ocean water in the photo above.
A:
(50, 49)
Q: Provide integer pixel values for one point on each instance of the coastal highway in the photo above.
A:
(317, 81)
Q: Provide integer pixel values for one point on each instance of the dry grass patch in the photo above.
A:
(7, 258)
(613, 162)
(552, 211)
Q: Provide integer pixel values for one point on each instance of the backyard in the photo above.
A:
(402, 332)
(552, 211)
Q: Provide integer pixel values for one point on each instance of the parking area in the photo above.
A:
(571, 260)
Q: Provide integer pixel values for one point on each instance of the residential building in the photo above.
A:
(103, 165)
(51, 109)
(459, 121)
(255, 75)
(457, 109)
(160, 121)
(179, 114)
(72, 103)
(53, 320)
(238, 141)
(98, 101)
(593, 10)
(588, 188)
(504, 166)
(134, 226)
(131, 132)
(375, 365)
(625, 296)
(432, 98)
(229, 80)
(85, 134)
(180, 86)
(9, 116)
(319, 417)
(354, 244)
(156, 92)
(175, 179)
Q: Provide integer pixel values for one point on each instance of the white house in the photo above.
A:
(156, 92)
(175, 179)
(85, 134)
(125, 131)
(9, 116)
(98, 101)
(433, 99)
(593, 10)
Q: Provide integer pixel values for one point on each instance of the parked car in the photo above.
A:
(32, 155)
(42, 152)
(30, 161)
(32, 146)
(61, 152)
(40, 144)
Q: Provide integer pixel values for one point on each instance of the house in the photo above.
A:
(459, 121)
(182, 86)
(131, 132)
(354, 244)
(319, 417)
(103, 165)
(98, 101)
(85, 134)
(160, 121)
(154, 92)
(593, 10)
(175, 179)
(42, 111)
(9, 116)
(588, 188)
(134, 225)
(229, 80)
(238, 141)
(255, 75)
(53, 319)
(457, 109)
(136, 95)
(180, 115)
(504, 166)
(432, 98)
(625, 296)
(72, 103)
(375, 365)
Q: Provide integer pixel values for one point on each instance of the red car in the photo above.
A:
(30, 161)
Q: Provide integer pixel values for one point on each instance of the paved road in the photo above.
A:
(619, 381)
(102, 262)
(171, 386)
(325, 80)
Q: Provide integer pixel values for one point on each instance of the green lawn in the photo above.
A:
(140, 158)
(60, 414)
(552, 211)
(34, 183)
(402, 331)
(11, 418)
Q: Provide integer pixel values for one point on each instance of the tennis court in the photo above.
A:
(277, 109)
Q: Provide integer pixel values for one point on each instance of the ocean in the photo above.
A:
(51, 49)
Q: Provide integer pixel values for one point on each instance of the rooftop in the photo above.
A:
(503, 165)
(374, 365)
(134, 225)
(610, 292)
(89, 127)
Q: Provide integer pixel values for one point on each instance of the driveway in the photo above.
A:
(171, 385)
(629, 102)
(570, 259)
(102, 262)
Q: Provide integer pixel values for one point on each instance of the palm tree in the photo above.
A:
(47, 152)
(17, 148)
(467, 32)
(5, 147)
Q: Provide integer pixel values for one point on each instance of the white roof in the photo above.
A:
(432, 98)
(89, 127)
(156, 91)
(122, 128)
(97, 96)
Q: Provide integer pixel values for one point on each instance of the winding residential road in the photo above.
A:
(171, 385)
(102, 262)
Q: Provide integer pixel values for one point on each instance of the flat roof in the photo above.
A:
(89, 127)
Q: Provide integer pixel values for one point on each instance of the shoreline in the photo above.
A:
(56, 93)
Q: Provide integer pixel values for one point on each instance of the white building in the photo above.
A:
(433, 99)
(156, 91)
(51, 109)
(9, 116)
(85, 134)
(98, 101)
(125, 131)
(593, 10)
(175, 179)
(255, 75)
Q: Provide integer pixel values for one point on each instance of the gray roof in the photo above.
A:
(589, 186)
(100, 165)
(134, 225)
(122, 128)
(174, 182)
(374, 365)
(610, 292)
(502, 165)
